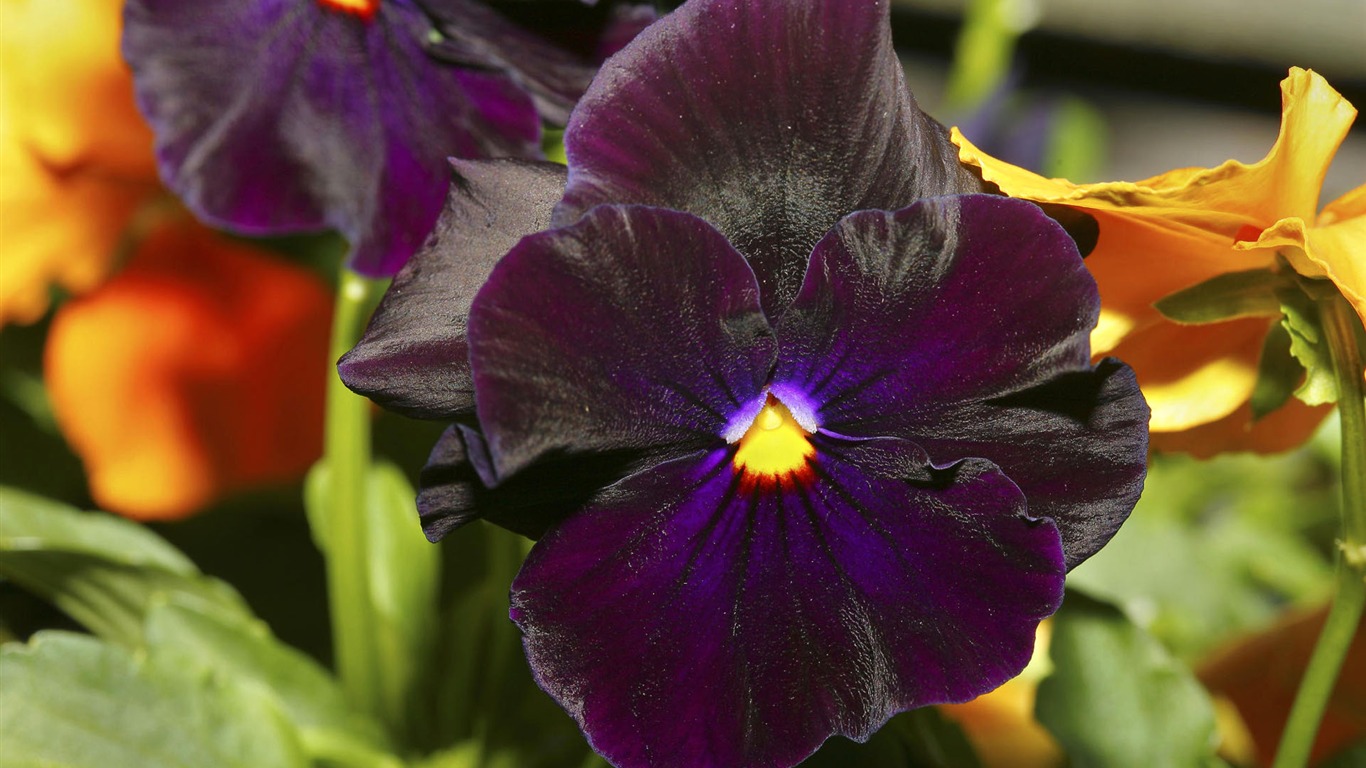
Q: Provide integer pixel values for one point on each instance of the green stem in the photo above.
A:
(506, 553)
(1343, 331)
(346, 456)
(982, 54)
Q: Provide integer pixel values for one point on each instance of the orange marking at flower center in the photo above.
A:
(774, 447)
(1247, 234)
(365, 9)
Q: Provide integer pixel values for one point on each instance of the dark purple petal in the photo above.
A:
(625, 22)
(277, 116)
(1077, 445)
(474, 36)
(683, 621)
(454, 486)
(634, 329)
(413, 357)
(446, 496)
(954, 299)
(770, 119)
(962, 323)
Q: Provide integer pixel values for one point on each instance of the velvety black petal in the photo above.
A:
(770, 119)
(475, 36)
(939, 322)
(633, 329)
(685, 621)
(1077, 445)
(276, 116)
(454, 486)
(413, 357)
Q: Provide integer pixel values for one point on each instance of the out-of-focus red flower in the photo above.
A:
(1260, 675)
(195, 371)
(75, 156)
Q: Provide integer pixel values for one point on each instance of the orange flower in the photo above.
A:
(1181, 228)
(1260, 675)
(75, 155)
(198, 369)
(195, 371)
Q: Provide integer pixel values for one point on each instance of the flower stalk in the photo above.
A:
(340, 524)
(1343, 331)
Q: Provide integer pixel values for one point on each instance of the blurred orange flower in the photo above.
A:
(1181, 228)
(195, 371)
(1260, 674)
(75, 155)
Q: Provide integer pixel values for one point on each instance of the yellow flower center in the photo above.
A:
(365, 9)
(774, 447)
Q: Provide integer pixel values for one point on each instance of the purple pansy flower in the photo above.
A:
(806, 424)
(276, 116)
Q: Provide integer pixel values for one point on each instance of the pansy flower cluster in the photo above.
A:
(340, 113)
(806, 424)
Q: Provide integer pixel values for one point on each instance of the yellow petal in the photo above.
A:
(1193, 375)
(1336, 250)
(55, 229)
(1349, 206)
(1260, 674)
(1338, 245)
(1177, 229)
(1224, 199)
(1284, 428)
(75, 157)
(68, 88)
(1000, 724)
(1137, 261)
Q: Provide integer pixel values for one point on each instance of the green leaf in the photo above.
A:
(104, 571)
(1232, 559)
(77, 702)
(405, 582)
(934, 740)
(245, 651)
(483, 690)
(1225, 297)
(403, 577)
(1309, 346)
(1116, 698)
(1278, 373)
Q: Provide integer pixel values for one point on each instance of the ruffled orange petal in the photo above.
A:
(1137, 261)
(1223, 200)
(1335, 249)
(1180, 228)
(195, 371)
(1338, 244)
